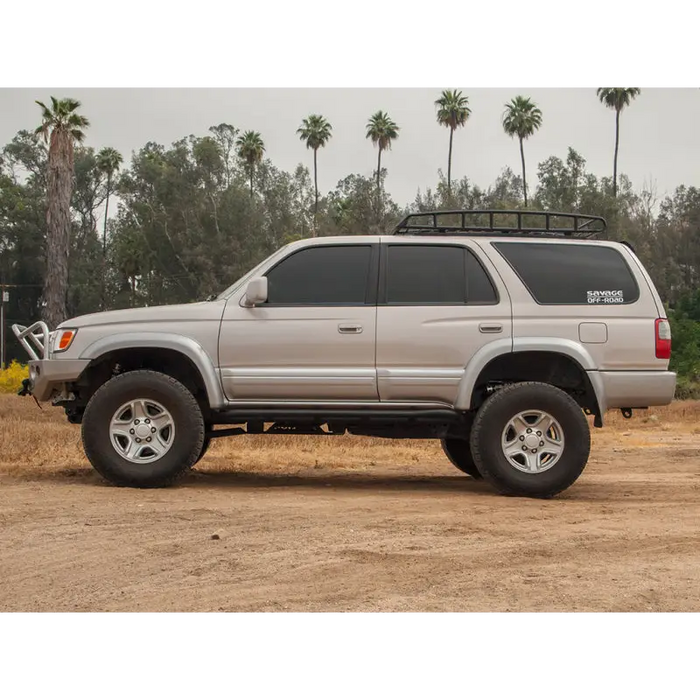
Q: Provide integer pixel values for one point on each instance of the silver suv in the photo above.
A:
(492, 331)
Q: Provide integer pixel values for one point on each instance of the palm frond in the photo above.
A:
(521, 117)
(71, 104)
(77, 121)
(62, 116)
(382, 130)
(315, 130)
(617, 98)
(452, 109)
(250, 147)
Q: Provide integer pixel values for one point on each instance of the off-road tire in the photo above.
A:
(460, 454)
(187, 417)
(492, 419)
(205, 447)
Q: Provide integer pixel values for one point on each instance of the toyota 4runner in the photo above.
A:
(495, 332)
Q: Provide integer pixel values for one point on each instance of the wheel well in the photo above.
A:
(164, 360)
(536, 366)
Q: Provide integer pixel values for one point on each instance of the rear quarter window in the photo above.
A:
(571, 274)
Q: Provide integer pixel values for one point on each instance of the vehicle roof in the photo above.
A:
(321, 240)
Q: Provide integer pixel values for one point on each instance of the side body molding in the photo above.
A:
(167, 341)
(505, 346)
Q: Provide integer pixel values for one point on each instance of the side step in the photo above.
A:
(389, 421)
(326, 414)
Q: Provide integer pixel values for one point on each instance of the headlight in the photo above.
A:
(64, 338)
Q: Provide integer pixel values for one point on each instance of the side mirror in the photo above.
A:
(256, 291)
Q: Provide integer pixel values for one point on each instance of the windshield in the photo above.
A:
(242, 280)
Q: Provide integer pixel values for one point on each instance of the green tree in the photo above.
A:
(452, 112)
(617, 99)
(225, 136)
(316, 132)
(61, 126)
(382, 130)
(521, 118)
(250, 150)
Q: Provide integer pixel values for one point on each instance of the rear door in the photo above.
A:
(439, 302)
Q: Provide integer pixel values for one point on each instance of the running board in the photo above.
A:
(326, 414)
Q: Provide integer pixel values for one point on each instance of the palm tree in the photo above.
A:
(617, 99)
(61, 126)
(250, 149)
(382, 130)
(108, 162)
(316, 131)
(522, 118)
(452, 111)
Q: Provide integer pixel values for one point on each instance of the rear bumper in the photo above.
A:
(47, 376)
(634, 389)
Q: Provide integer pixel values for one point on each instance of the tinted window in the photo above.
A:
(479, 286)
(571, 274)
(425, 274)
(321, 275)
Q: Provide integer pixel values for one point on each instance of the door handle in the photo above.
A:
(349, 328)
(490, 327)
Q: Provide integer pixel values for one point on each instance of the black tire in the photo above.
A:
(205, 447)
(491, 422)
(187, 440)
(460, 454)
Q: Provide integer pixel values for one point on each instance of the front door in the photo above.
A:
(438, 304)
(315, 337)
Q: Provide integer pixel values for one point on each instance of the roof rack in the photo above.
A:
(500, 222)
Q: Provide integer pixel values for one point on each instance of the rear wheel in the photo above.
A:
(530, 439)
(142, 429)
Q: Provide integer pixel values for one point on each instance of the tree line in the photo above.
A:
(195, 215)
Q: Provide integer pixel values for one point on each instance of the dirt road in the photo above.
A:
(349, 524)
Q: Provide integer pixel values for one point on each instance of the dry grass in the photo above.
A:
(36, 443)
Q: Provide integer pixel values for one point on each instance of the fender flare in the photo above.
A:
(166, 341)
(505, 346)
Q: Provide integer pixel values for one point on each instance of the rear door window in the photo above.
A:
(571, 274)
(436, 274)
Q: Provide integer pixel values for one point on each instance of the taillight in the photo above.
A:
(663, 339)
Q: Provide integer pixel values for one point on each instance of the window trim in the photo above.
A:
(496, 245)
(370, 287)
(382, 295)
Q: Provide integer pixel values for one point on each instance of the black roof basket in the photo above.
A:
(500, 222)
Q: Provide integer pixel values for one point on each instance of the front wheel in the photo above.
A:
(530, 439)
(142, 429)
(205, 447)
(460, 454)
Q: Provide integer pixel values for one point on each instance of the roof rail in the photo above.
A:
(500, 222)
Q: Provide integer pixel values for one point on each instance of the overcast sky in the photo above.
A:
(660, 140)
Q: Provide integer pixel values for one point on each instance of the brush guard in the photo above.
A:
(35, 339)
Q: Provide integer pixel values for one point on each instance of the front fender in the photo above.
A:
(167, 341)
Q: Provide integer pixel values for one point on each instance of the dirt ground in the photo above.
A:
(332, 524)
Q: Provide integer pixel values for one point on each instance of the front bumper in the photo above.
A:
(635, 389)
(48, 376)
